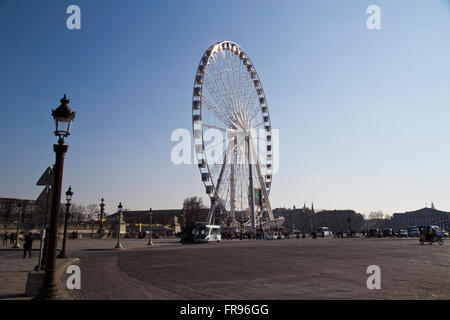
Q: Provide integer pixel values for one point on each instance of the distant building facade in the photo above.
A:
(421, 217)
(162, 220)
(305, 219)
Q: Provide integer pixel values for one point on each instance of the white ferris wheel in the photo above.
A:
(232, 136)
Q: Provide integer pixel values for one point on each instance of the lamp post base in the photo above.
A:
(118, 246)
(62, 256)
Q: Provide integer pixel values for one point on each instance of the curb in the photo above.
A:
(16, 249)
(59, 271)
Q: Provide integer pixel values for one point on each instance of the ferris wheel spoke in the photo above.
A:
(222, 142)
(227, 96)
(213, 127)
(218, 112)
(235, 89)
(214, 90)
(230, 85)
(219, 104)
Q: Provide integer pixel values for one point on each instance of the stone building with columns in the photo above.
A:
(421, 217)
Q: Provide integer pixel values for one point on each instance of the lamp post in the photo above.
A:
(182, 227)
(92, 227)
(119, 221)
(19, 217)
(150, 243)
(63, 117)
(102, 216)
(69, 194)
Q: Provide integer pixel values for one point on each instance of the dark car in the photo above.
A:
(387, 232)
(374, 233)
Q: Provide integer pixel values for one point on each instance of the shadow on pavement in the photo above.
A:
(13, 296)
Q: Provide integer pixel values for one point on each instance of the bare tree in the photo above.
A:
(192, 210)
(92, 210)
(6, 207)
(376, 215)
(77, 213)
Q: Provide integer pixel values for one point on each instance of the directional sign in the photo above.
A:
(47, 178)
(43, 197)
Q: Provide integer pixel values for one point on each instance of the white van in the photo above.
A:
(207, 233)
(325, 231)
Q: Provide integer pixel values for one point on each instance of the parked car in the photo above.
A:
(323, 232)
(387, 232)
(403, 234)
(374, 233)
(413, 232)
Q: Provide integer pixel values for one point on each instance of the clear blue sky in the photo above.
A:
(363, 115)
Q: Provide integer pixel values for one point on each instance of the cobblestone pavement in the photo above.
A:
(13, 274)
(273, 269)
(13, 268)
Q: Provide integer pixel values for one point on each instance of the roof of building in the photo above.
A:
(139, 213)
(425, 210)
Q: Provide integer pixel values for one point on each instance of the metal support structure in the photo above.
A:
(150, 243)
(251, 191)
(119, 222)
(233, 182)
(49, 290)
(62, 253)
(43, 236)
(211, 213)
(102, 216)
(262, 184)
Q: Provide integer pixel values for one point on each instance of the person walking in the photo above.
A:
(27, 245)
(5, 239)
(12, 237)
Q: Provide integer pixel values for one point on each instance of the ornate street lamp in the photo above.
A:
(19, 217)
(150, 243)
(69, 194)
(63, 117)
(119, 221)
(102, 216)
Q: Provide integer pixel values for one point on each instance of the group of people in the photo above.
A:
(27, 242)
(9, 237)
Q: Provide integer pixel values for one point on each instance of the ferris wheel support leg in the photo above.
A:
(262, 184)
(211, 212)
(252, 196)
(233, 182)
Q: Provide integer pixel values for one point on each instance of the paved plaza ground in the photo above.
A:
(14, 269)
(271, 269)
(250, 269)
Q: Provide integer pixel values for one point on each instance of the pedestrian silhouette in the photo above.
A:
(27, 245)
(5, 238)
